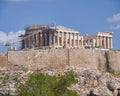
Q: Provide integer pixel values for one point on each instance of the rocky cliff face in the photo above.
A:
(101, 84)
(9, 80)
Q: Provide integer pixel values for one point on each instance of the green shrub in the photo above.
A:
(40, 84)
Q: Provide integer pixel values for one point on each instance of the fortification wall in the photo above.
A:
(58, 59)
(87, 58)
(35, 60)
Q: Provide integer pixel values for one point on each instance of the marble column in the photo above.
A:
(33, 41)
(73, 39)
(27, 41)
(104, 42)
(45, 39)
(108, 42)
(93, 43)
(58, 38)
(30, 42)
(49, 39)
(69, 39)
(77, 40)
(66, 39)
(97, 41)
(107, 45)
(100, 41)
(41, 39)
(53, 39)
(36, 39)
(61, 38)
(82, 45)
(111, 45)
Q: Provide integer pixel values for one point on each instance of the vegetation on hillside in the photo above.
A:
(107, 64)
(40, 84)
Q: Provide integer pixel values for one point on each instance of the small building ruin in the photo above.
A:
(99, 40)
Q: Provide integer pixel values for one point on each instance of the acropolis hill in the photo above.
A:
(54, 50)
(55, 47)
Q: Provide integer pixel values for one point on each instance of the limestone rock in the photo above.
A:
(101, 84)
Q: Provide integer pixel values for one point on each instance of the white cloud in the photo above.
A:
(114, 18)
(115, 27)
(3, 37)
(10, 37)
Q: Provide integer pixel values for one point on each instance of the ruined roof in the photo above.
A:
(35, 26)
(61, 28)
(54, 27)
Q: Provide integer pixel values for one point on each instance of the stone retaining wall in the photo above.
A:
(53, 59)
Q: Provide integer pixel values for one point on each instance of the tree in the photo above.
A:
(40, 84)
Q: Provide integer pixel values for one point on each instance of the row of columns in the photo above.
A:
(104, 41)
(40, 39)
(67, 39)
(55, 39)
(60, 39)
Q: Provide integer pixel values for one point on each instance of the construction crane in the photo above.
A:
(10, 47)
(9, 44)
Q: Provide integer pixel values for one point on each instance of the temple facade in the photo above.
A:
(99, 40)
(41, 36)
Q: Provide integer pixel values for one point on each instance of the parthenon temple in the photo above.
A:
(41, 36)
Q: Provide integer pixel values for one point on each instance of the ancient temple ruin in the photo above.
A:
(99, 40)
(41, 36)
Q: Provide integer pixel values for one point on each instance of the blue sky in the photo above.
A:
(85, 16)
